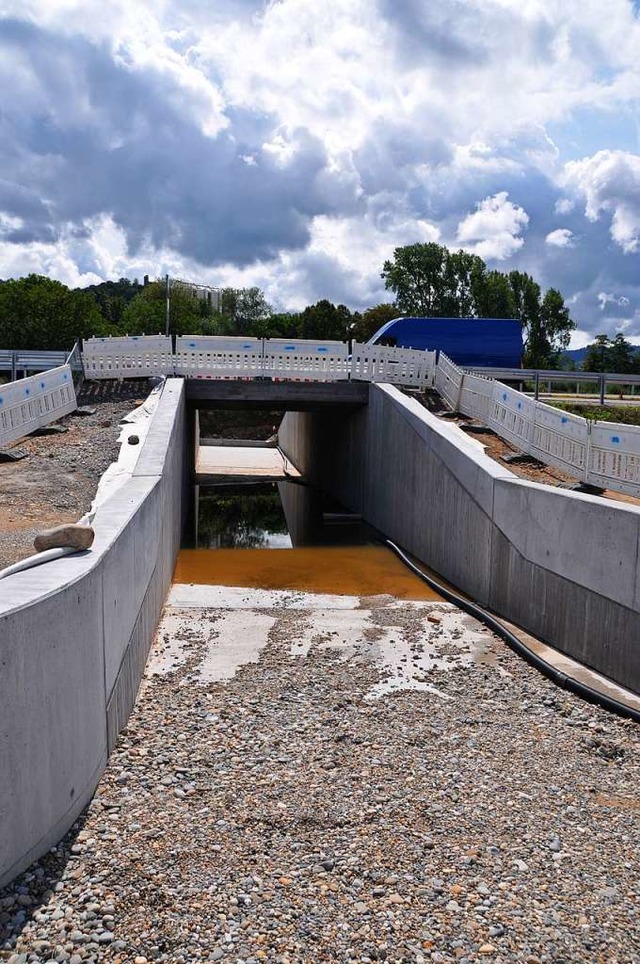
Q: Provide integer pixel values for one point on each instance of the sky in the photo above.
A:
(294, 144)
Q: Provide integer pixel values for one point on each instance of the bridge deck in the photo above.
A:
(262, 393)
(216, 463)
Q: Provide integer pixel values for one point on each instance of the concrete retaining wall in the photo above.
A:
(74, 636)
(562, 565)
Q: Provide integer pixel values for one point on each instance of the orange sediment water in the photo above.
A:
(338, 570)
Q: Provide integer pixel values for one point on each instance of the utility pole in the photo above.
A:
(168, 297)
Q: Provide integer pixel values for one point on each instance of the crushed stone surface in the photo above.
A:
(293, 809)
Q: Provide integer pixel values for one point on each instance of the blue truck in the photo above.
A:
(469, 342)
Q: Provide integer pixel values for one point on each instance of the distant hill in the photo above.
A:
(576, 355)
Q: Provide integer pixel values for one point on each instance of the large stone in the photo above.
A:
(67, 536)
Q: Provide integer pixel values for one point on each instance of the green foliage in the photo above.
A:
(41, 314)
(189, 315)
(625, 414)
(612, 355)
(430, 281)
(112, 297)
(325, 320)
(245, 311)
(371, 320)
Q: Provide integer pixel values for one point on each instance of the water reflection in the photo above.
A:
(241, 517)
(274, 516)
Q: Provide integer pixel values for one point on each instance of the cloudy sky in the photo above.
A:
(293, 144)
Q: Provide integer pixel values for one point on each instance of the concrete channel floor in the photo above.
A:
(311, 774)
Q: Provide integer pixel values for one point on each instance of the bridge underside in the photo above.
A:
(204, 393)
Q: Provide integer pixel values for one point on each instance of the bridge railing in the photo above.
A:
(136, 356)
(201, 356)
(398, 366)
(305, 360)
(198, 356)
(604, 454)
(31, 403)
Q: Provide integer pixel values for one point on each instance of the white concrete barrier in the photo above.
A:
(217, 357)
(133, 356)
(305, 360)
(34, 402)
(448, 382)
(74, 636)
(396, 366)
(290, 359)
(604, 454)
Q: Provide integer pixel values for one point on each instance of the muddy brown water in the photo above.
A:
(340, 570)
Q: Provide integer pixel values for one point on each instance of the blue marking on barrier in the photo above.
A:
(27, 391)
(42, 385)
(66, 377)
(504, 396)
(289, 347)
(247, 347)
(1, 400)
(519, 404)
(322, 349)
(192, 344)
(615, 439)
(564, 419)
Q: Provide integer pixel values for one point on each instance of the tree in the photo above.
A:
(493, 296)
(112, 297)
(546, 323)
(371, 320)
(606, 355)
(39, 313)
(146, 314)
(325, 320)
(245, 311)
(430, 281)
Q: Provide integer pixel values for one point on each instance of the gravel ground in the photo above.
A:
(287, 816)
(57, 481)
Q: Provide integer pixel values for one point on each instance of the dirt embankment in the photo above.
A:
(57, 480)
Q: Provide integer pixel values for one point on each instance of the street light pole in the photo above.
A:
(168, 300)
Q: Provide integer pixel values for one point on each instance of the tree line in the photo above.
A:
(425, 280)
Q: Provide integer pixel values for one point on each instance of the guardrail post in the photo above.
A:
(536, 382)
(603, 388)
(13, 366)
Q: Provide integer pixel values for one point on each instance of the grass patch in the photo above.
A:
(623, 414)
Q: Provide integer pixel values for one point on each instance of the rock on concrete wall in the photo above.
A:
(562, 565)
(74, 636)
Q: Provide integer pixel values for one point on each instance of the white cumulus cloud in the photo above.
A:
(493, 229)
(561, 238)
(609, 182)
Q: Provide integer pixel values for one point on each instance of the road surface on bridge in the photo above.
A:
(326, 762)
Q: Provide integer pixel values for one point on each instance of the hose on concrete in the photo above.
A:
(36, 560)
(560, 679)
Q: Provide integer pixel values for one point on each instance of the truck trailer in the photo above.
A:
(469, 342)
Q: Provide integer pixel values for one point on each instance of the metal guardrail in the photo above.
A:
(539, 376)
(30, 361)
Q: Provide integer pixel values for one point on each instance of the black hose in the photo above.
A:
(560, 679)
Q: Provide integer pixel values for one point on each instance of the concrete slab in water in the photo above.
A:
(215, 463)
